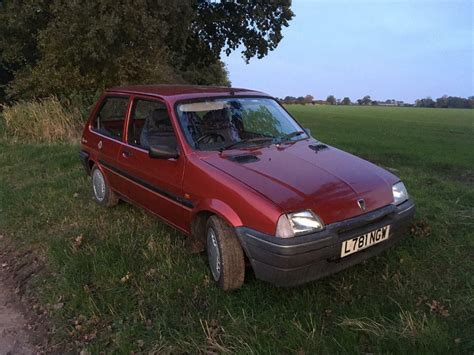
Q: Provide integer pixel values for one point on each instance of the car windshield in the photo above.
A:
(229, 123)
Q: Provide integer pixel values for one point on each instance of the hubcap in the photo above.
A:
(213, 254)
(98, 184)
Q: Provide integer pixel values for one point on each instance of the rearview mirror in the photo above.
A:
(162, 152)
(308, 131)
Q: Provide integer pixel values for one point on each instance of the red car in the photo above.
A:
(233, 170)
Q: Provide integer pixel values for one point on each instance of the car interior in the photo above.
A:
(221, 123)
(214, 128)
(111, 117)
(151, 126)
(157, 130)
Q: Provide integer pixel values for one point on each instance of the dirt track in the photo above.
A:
(14, 334)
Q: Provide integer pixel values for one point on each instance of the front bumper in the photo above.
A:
(293, 261)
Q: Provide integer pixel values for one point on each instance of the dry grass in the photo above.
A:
(43, 120)
(407, 325)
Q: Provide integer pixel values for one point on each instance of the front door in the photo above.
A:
(155, 184)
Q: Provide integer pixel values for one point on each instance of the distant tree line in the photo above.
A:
(302, 100)
(441, 102)
(332, 100)
(446, 102)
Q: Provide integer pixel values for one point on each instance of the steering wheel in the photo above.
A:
(210, 135)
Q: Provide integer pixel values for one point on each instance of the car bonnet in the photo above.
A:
(309, 175)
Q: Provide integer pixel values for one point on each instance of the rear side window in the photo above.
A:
(150, 125)
(110, 119)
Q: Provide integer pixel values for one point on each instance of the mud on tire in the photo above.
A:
(223, 243)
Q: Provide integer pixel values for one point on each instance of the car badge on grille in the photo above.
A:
(361, 204)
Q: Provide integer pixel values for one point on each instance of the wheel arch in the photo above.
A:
(206, 209)
(91, 164)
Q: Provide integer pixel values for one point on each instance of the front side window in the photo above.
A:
(111, 117)
(150, 125)
(236, 122)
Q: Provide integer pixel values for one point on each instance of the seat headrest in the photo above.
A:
(157, 118)
(217, 119)
(159, 115)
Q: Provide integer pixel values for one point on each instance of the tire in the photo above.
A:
(225, 255)
(101, 191)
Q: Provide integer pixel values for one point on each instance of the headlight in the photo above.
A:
(400, 193)
(298, 223)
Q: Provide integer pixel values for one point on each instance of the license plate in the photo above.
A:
(364, 241)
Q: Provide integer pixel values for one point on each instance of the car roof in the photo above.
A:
(182, 92)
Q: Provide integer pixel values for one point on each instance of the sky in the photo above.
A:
(403, 50)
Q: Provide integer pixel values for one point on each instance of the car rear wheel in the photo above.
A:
(225, 255)
(101, 191)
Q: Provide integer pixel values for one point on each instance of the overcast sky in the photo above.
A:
(404, 49)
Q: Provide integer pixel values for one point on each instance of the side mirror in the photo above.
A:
(162, 152)
(308, 131)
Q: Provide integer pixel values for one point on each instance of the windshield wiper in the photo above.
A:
(288, 136)
(245, 142)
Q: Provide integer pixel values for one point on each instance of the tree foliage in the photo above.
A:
(61, 47)
(308, 99)
(302, 100)
(446, 102)
(346, 101)
(331, 100)
(426, 102)
(227, 25)
(366, 100)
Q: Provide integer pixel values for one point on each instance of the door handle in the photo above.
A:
(126, 154)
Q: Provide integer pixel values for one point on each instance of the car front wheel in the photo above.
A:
(225, 255)
(101, 191)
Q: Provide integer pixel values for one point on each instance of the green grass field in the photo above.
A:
(128, 284)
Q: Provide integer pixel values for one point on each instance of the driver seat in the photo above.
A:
(219, 122)
(158, 130)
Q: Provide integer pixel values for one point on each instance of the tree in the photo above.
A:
(446, 102)
(22, 50)
(300, 100)
(62, 47)
(365, 100)
(331, 100)
(442, 102)
(346, 101)
(6, 76)
(426, 102)
(289, 100)
(471, 101)
(457, 102)
(255, 25)
(308, 99)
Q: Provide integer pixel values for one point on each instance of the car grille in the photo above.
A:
(363, 220)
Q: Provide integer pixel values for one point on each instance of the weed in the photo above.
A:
(43, 120)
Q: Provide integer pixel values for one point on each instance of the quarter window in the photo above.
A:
(111, 117)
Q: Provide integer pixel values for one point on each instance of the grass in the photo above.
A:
(45, 120)
(122, 281)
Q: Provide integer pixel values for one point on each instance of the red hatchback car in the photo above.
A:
(233, 170)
